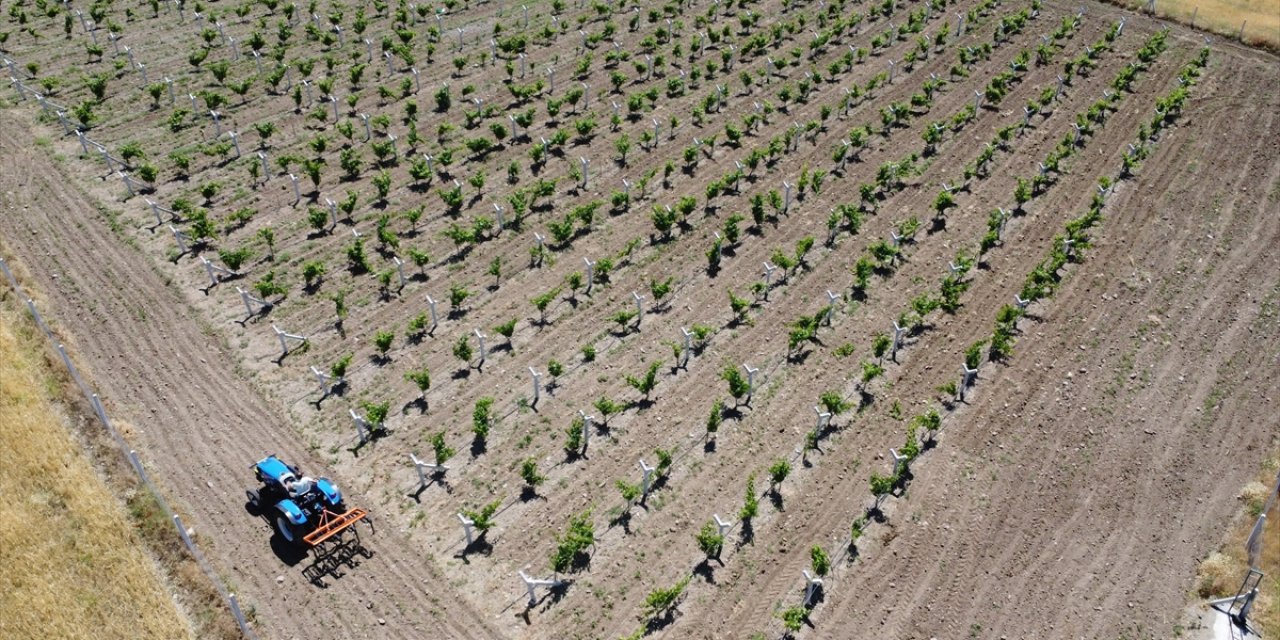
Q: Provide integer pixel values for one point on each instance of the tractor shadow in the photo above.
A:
(290, 554)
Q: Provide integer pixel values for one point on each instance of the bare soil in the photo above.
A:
(1070, 496)
(198, 424)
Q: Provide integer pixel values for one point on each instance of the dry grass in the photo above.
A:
(71, 565)
(1261, 18)
(1220, 573)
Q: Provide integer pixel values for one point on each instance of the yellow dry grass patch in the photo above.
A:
(70, 564)
(1261, 18)
(1221, 572)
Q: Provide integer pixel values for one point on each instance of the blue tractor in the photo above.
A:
(306, 510)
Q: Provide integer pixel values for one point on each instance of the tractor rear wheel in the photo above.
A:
(286, 529)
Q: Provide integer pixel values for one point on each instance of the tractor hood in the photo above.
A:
(291, 511)
(271, 467)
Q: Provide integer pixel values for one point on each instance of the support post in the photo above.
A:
(253, 305)
(644, 482)
(362, 426)
(532, 584)
(182, 239)
(431, 306)
(399, 269)
(423, 468)
(824, 419)
(768, 277)
(967, 379)
(812, 584)
(722, 527)
(897, 340)
(586, 429)
(467, 526)
(639, 307)
(899, 460)
(284, 338)
(480, 339)
(323, 379)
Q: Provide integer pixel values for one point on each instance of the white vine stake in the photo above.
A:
(362, 426)
(586, 429)
(824, 419)
(722, 526)
(812, 584)
(467, 524)
(182, 239)
(768, 276)
(431, 306)
(897, 339)
(644, 482)
(214, 270)
(532, 584)
(284, 338)
(751, 380)
(639, 307)
(423, 468)
(898, 460)
(322, 379)
(480, 339)
(967, 379)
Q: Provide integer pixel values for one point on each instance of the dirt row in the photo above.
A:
(820, 500)
(198, 425)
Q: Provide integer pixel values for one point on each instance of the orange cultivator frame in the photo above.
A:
(333, 524)
(332, 547)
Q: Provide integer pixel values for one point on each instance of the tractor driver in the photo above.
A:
(301, 487)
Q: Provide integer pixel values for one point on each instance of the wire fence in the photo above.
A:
(130, 455)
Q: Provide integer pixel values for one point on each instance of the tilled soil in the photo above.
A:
(1071, 496)
(197, 422)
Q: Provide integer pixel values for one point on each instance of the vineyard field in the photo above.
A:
(970, 308)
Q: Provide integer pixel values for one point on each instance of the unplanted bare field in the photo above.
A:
(1070, 494)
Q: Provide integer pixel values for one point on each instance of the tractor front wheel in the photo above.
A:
(254, 501)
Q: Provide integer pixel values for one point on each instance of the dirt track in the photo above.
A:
(198, 425)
